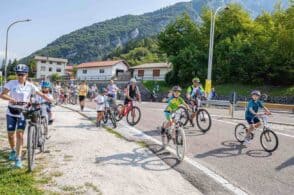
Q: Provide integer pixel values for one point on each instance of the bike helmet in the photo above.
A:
(21, 69)
(256, 92)
(196, 79)
(177, 88)
(133, 80)
(45, 84)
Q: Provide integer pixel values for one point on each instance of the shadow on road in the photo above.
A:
(138, 157)
(231, 149)
(287, 163)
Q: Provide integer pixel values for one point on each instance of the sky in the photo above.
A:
(53, 18)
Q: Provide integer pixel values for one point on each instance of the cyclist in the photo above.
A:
(112, 90)
(173, 104)
(132, 92)
(193, 91)
(46, 86)
(83, 91)
(251, 115)
(15, 91)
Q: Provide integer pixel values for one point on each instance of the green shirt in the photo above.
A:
(174, 103)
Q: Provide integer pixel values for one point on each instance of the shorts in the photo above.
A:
(253, 120)
(127, 101)
(100, 112)
(167, 115)
(15, 123)
(100, 108)
(82, 98)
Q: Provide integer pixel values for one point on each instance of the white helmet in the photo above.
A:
(133, 80)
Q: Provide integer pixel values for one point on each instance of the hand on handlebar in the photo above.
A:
(13, 101)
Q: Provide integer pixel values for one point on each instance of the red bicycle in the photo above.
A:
(131, 112)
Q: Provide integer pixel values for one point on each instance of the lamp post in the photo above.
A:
(211, 42)
(5, 59)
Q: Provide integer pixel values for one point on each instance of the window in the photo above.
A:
(58, 69)
(50, 62)
(43, 76)
(101, 71)
(50, 69)
(84, 71)
(58, 63)
(156, 73)
(43, 68)
(140, 73)
(43, 61)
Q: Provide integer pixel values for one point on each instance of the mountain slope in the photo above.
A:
(98, 40)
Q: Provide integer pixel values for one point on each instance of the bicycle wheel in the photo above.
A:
(134, 116)
(31, 146)
(203, 120)
(106, 116)
(269, 140)
(43, 134)
(184, 118)
(118, 116)
(180, 143)
(113, 120)
(240, 132)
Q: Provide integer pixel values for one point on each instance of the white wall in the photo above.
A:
(119, 66)
(148, 73)
(47, 65)
(94, 73)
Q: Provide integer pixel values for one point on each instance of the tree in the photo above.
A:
(55, 77)
(32, 64)
(11, 67)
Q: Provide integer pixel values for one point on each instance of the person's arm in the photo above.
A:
(4, 95)
(138, 93)
(44, 96)
(267, 111)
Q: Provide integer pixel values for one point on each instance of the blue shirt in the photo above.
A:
(254, 105)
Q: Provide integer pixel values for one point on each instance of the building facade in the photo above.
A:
(151, 71)
(46, 66)
(101, 70)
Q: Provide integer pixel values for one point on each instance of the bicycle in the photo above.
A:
(45, 119)
(179, 138)
(73, 98)
(203, 118)
(267, 136)
(36, 133)
(110, 112)
(130, 112)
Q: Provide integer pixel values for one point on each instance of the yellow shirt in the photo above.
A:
(83, 90)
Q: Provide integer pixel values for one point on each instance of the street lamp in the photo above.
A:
(211, 42)
(5, 59)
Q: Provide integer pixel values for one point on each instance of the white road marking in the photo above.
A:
(225, 183)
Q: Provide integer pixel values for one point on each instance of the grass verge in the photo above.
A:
(16, 181)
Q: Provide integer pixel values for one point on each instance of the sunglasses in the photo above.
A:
(20, 75)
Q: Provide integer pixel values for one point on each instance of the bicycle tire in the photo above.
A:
(113, 120)
(31, 146)
(181, 144)
(118, 117)
(240, 129)
(43, 133)
(184, 115)
(266, 134)
(133, 123)
(105, 118)
(204, 130)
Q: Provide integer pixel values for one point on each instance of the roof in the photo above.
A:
(68, 67)
(50, 59)
(100, 64)
(152, 65)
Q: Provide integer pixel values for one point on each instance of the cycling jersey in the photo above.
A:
(174, 103)
(195, 91)
(83, 90)
(19, 92)
(254, 105)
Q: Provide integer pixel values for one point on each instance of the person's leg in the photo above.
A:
(19, 142)
(11, 126)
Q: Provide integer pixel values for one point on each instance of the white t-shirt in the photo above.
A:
(112, 89)
(42, 100)
(21, 93)
(100, 100)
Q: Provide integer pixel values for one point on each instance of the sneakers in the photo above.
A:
(12, 155)
(247, 140)
(18, 163)
(98, 124)
(50, 122)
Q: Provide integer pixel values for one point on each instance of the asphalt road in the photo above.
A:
(250, 168)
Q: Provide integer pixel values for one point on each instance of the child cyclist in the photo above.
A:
(173, 104)
(251, 113)
(100, 107)
(45, 85)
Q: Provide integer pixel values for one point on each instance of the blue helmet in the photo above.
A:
(46, 84)
(22, 69)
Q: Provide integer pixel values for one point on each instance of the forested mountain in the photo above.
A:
(97, 41)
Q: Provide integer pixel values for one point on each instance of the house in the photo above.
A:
(69, 71)
(151, 71)
(46, 66)
(101, 70)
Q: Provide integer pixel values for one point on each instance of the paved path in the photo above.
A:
(90, 160)
(252, 169)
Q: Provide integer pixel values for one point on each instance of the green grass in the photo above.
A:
(226, 89)
(16, 181)
(163, 86)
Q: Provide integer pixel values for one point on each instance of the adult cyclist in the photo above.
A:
(132, 92)
(15, 91)
(194, 92)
